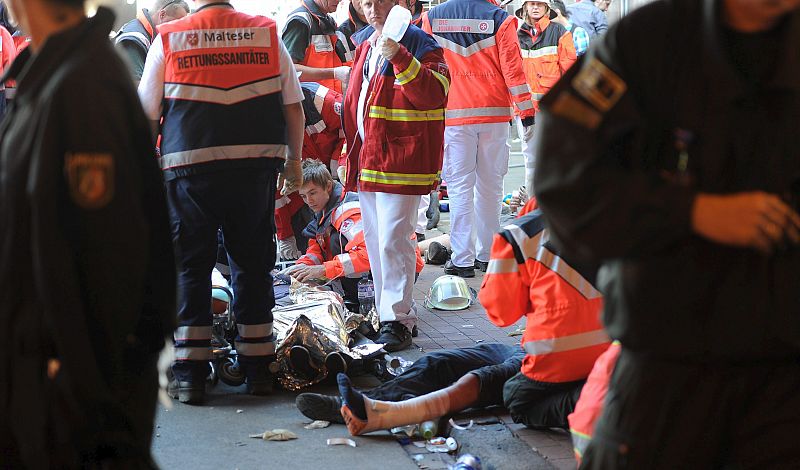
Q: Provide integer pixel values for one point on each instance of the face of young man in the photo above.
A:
(315, 196)
(376, 11)
(536, 10)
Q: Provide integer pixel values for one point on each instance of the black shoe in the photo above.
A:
(437, 253)
(394, 336)
(482, 265)
(335, 362)
(320, 407)
(414, 331)
(450, 268)
(300, 359)
(420, 237)
(187, 392)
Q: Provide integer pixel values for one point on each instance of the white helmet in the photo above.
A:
(449, 293)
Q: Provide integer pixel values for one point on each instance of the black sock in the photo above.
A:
(351, 397)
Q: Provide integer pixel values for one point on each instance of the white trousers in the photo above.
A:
(422, 218)
(389, 221)
(529, 152)
(475, 162)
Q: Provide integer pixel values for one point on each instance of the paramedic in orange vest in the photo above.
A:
(394, 121)
(548, 51)
(310, 36)
(354, 22)
(482, 51)
(527, 276)
(590, 404)
(226, 92)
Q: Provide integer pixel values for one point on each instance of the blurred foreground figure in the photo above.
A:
(686, 184)
(86, 259)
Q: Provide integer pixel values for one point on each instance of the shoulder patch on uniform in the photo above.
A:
(90, 177)
(567, 106)
(599, 85)
(346, 225)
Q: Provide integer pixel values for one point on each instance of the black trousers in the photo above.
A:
(541, 405)
(666, 415)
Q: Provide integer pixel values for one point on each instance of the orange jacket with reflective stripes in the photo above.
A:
(590, 404)
(403, 117)
(527, 276)
(482, 51)
(548, 51)
(321, 49)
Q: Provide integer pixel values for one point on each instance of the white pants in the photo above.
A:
(422, 218)
(529, 152)
(389, 221)
(475, 162)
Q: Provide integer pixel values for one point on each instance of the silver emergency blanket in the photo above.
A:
(317, 320)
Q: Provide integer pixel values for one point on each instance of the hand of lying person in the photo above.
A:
(749, 220)
(306, 273)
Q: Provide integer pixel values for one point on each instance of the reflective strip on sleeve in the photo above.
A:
(537, 96)
(536, 53)
(406, 115)
(319, 97)
(519, 89)
(465, 51)
(282, 202)
(410, 73)
(182, 91)
(381, 177)
(314, 259)
(566, 343)
(225, 152)
(261, 330)
(190, 333)
(443, 80)
(255, 349)
(347, 264)
(192, 354)
(534, 248)
(502, 266)
(479, 112)
(316, 128)
(525, 105)
(344, 208)
(580, 442)
(134, 35)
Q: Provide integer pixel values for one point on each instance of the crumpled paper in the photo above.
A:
(276, 435)
(318, 424)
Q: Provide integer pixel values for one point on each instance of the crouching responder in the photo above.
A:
(336, 246)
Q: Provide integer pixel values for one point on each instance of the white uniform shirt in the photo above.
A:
(151, 87)
(373, 62)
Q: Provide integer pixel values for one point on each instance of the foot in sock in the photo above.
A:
(353, 410)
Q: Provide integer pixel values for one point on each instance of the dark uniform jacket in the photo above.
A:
(86, 259)
(630, 135)
(135, 38)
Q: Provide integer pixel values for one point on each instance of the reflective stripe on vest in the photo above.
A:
(192, 333)
(534, 248)
(566, 343)
(536, 53)
(381, 177)
(379, 112)
(225, 152)
(262, 330)
(466, 51)
(181, 91)
(136, 36)
(479, 112)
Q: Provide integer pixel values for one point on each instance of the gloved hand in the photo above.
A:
(341, 173)
(528, 133)
(387, 47)
(288, 248)
(342, 74)
(292, 176)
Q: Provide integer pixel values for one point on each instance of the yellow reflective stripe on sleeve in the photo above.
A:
(445, 82)
(410, 73)
(381, 177)
(379, 112)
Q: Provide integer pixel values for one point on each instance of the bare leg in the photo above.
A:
(362, 414)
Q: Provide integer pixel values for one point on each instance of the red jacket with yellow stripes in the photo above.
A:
(482, 51)
(548, 51)
(403, 117)
(528, 276)
(336, 238)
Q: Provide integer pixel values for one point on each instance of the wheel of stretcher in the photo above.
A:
(230, 373)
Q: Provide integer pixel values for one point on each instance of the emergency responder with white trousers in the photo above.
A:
(394, 122)
(231, 114)
(481, 48)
